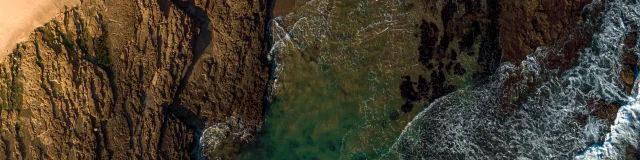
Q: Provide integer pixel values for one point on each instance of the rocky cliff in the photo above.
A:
(133, 79)
(148, 78)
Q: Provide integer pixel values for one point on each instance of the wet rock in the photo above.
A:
(221, 139)
(459, 70)
(428, 37)
(526, 25)
(464, 28)
(632, 153)
(423, 86)
(409, 94)
(604, 110)
(448, 12)
(490, 47)
(629, 66)
(507, 31)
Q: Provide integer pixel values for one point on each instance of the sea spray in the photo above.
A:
(469, 125)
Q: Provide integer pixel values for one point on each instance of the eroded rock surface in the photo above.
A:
(133, 79)
(491, 32)
(495, 31)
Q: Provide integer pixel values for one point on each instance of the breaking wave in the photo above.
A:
(467, 123)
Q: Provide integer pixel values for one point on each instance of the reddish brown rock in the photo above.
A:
(526, 25)
(509, 31)
(461, 28)
(629, 60)
(604, 110)
(632, 153)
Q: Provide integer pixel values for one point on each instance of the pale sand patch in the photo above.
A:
(18, 19)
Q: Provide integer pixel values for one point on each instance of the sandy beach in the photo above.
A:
(19, 18)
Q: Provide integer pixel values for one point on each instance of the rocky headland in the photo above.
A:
(133, 79)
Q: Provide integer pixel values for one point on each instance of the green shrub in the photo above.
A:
(67, 42)
(47, 35)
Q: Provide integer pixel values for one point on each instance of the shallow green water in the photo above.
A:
(339, 74)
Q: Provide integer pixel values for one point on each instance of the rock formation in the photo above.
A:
(497, 31)
(146, 78)
(492, 32)
(133, 79)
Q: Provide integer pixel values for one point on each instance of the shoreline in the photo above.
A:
(18, 19)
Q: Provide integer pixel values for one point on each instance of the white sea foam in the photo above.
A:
(218, 139)
(624, 133)
(543, 126)
(466, 124)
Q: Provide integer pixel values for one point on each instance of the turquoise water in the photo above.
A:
(337, 95)
(339, 70)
